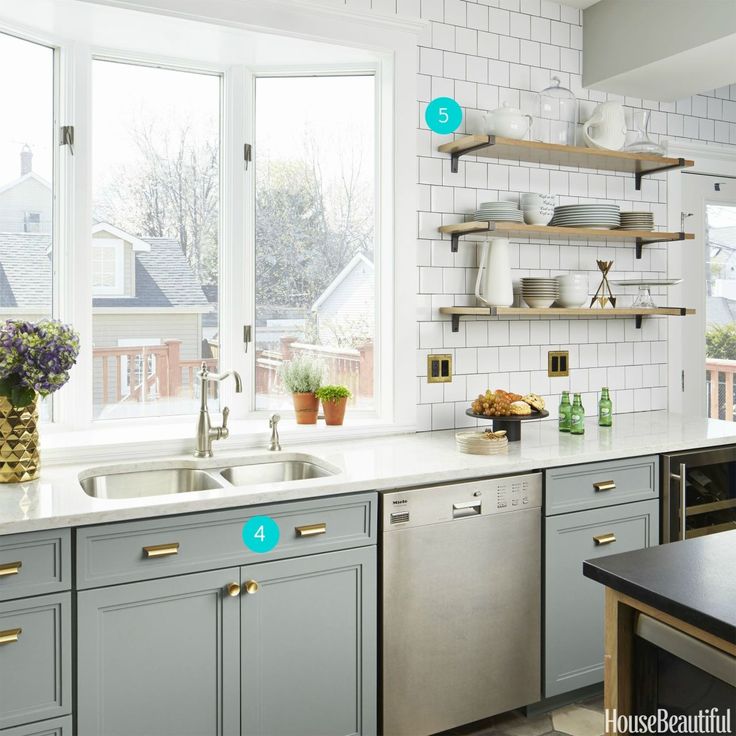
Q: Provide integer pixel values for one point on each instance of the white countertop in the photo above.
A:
(57, 499)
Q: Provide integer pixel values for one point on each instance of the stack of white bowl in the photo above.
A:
(538, 209)
(539, 292)
(573, 290)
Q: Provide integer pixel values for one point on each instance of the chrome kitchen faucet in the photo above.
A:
(206, 433)
(273, 423)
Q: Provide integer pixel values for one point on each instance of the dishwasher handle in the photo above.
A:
(466, 508)
(697, 653)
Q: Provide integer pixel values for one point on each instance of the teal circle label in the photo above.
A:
(260, 534)
(443, 115)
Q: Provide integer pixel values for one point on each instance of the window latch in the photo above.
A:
(67, 137)
(247, 154)
(247, 336)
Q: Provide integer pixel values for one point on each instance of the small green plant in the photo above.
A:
(720, 342)
(301, 374)
(333, 393)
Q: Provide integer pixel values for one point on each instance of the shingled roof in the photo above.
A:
(163, 277)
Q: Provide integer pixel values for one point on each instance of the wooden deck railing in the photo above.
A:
(345, 366)
(720, 396)
(145, 372)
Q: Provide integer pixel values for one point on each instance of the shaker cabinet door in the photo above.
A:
(309, 645)
(160, 658)
(573, 603)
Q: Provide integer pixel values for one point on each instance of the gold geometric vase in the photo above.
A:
(19, 455)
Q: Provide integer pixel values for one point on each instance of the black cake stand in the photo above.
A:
(511, 424)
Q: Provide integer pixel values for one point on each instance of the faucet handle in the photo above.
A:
(225, 415)
(273, 420)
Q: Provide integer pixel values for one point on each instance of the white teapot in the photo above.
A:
(507, 122)
(606, 127)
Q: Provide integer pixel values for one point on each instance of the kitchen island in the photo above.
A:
(688, 587)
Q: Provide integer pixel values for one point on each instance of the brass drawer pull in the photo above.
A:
(605, 485)
(233, 589)
(605, 538)
(311, 530)
(10, 568)
(10, 636)
(162, 550)
(251, 587)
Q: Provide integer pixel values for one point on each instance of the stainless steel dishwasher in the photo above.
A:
(461, 601)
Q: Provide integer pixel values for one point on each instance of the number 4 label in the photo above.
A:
(260, 534)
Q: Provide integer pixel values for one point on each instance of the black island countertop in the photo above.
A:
(693, 580)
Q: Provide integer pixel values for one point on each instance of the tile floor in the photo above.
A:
(581, 719)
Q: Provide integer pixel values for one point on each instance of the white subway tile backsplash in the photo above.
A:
(485, 53)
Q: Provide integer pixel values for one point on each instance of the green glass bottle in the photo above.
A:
(605, 409)
(577, 416)
(564, 411)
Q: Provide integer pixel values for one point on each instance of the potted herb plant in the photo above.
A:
(35, 359)
(302, 376)
(334, 400)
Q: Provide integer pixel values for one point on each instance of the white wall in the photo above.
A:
(493, 51)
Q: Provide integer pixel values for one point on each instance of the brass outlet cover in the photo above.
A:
(558, 363)
(439, 368)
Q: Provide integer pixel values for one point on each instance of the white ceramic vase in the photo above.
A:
(494, 287)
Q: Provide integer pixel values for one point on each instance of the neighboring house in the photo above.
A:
(721, 311)
(26, 203)
(347, 306)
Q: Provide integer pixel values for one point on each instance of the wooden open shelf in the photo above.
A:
(519, 230)
(637, 312)
(553, 154)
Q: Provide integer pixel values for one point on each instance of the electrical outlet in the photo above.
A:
(439, 368)
(558, 363)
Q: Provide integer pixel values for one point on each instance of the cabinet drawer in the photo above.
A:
(53, 727)
(573, 603)
(153, 548)
(35, 659)
(580, 487)
(34, 563)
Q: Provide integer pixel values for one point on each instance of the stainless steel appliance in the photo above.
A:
(698, 493)
(682, 674)
(461, 603)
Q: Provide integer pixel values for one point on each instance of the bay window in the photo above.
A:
(232, 183)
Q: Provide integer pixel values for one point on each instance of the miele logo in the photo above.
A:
(399, 501)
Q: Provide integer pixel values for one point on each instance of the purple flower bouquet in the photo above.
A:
(35, 358)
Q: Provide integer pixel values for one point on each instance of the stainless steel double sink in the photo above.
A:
(168, 477)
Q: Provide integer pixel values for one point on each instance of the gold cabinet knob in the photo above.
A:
(233, 590)
(251, 587)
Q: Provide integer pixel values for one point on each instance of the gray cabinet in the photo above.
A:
(159, 657)
(194, 654)
(574, 607)
(309, 646)
(35, 659)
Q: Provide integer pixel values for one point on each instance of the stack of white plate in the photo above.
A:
(637, 221)
(480, 443)
(499, 212)
(599, 216)
(540, 292)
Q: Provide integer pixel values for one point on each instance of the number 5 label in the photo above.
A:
(260, 534)
(443, 115)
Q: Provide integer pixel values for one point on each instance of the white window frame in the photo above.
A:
(118, 248)
(394, 42)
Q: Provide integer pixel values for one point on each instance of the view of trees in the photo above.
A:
(171, 191)
(720, 342)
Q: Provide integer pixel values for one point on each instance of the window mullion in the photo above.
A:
(72, 288)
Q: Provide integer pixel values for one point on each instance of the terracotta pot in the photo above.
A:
(334, 410)
(306, 406)
(19, 456)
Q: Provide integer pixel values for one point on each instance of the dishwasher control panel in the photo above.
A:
(433, 504)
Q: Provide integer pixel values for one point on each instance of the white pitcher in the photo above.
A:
(606, 127)
(493, 286)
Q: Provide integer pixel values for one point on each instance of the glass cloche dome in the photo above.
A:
(558, 114)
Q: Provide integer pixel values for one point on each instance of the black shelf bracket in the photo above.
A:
(641, 242)
(455, 237)
(639, 318)
(641, 174)
(455, 157)
(455, 322)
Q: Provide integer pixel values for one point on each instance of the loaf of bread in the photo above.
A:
(521, 408)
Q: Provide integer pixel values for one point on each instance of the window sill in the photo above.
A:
(142, 441)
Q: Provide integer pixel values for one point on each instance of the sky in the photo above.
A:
(26, 106)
